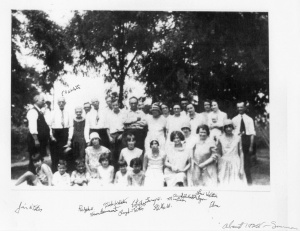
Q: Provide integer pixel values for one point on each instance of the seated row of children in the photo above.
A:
(132, 176)
(95, 168)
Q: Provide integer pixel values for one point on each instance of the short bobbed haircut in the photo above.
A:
(177, 133)
(122, 163)
(37, 157)
(130, 137)
(136, 161)
(62, 163)
(151, 143)
(79, 162)
(204, 127)
(104, 156)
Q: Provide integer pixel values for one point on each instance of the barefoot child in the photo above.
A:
(122, 174)
(136, 177)
(105, 171)
(61, 178)
(43, 173)
(80, 177)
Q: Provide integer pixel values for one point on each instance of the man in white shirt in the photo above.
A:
(174, 122)
(134, 122)
(87, 107)
(38, 135)
(244, 126)
(195, 118)
(59, 133)
(96, 122)
(207, 110)
(116, 128)
(183, 104)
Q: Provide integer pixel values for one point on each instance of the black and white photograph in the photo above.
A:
(140, 98)
(150, 116)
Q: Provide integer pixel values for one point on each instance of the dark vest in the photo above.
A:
(42, 127)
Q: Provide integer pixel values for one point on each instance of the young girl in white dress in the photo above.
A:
(121, 175)
(105, 171)
(131, 151)
(153, 165)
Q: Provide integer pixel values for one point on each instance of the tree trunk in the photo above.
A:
(121, 93)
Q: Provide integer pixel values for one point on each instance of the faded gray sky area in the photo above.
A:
(91, 85)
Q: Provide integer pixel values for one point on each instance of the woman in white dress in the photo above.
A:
(203, 160)
(219, 116)
(231, 164)
(156, 127)
(177, 161)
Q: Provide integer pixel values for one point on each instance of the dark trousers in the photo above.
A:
(116, 147)
(140, 135)
(57, 148)
(32, 149)
(103, 136)
(246, 140)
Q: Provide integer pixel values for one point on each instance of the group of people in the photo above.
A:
(122, 147)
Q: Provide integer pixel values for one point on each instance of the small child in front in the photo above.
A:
(61, 178)
(80, 177)
(43, 173)
(105, 171)
(136, 177)
(121, 175)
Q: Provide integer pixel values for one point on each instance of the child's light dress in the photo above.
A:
(154, 176)
(121, 180)
(105, 175)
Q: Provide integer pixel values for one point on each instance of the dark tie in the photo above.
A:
(62, 119)
(242, 128)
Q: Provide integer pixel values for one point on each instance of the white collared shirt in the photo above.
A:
(249, 124)
(61, 180)
(57, 122)
(32, 117)
(195, 122)
(115, 121)
(131, 117)
(92, 123)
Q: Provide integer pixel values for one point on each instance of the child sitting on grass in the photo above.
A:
(122, 174)
(80, 177)
(136, 177)
(105, 171)
(43, 173)
(61, 178)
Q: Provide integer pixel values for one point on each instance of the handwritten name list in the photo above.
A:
(127, 206)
